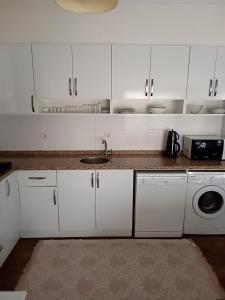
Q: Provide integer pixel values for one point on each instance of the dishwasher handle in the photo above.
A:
(161, 181)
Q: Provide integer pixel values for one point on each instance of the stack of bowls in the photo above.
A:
(156, 109)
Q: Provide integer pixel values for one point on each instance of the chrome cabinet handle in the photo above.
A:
(70, 86)
(146, 88)
(36, 178)
(1, 248)
(98, 181)
(92, 180)
(75, 86)
(8, 187)
(216, 88)
(32, 103)
(210, 87)
(152, 87)
(54, 197)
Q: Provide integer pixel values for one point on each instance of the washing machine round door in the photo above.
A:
(208, 202)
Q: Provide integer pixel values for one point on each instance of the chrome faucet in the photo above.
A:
(106, 151)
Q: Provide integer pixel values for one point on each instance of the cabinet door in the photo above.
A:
(39, 209)
(114, 200)
(76, 190)
(219, 85)
(3, 223)
(9, 216)
(130, 72)
(201, 72)
(169, 72)
(13, 209)
(92, 72)
(53, 70)
(16, 79)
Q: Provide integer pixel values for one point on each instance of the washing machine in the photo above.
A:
(205, 203)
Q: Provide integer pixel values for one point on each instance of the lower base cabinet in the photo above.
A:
(76, 191)
(39, 211)
(9, 215)
(95, 203)
(114, 201)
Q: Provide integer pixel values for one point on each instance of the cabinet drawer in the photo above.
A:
(37, 178)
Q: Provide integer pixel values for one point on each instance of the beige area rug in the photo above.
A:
(119, 269)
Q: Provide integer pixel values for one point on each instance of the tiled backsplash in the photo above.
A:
(77, 132)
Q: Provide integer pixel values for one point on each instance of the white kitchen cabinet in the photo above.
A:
(169, 72)
(143, 72)
(9, 216)
(53, 70)
(92, 72)
(130, 71)
(114, 201)
(95, 203)
(39, 203)
(201, 72)
(76, 190)
(16, 79)
(219, 80)
(39, 211)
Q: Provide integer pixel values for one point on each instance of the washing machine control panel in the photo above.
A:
(207, 179)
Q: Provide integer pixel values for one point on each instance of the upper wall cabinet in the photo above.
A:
(201, 72)
(16, 79)
(92, 72)
(207, 73)
(169, 71)
(53, 70)
(81, 72)
(130, 72)
(132, 79)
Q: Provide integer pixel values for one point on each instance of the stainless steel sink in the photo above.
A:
(94, 160)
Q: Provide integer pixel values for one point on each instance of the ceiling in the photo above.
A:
(176, 1)
(42, 4)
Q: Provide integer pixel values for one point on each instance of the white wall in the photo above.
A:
(43, 21)
(140, 22)
(85, 132)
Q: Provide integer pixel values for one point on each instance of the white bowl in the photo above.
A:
(194, 108)
(218, 111)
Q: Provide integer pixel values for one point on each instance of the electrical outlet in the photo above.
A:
(107, 135)
(43, 136)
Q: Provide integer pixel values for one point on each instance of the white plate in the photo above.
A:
(218, 111)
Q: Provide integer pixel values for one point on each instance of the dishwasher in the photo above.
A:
(159, 204)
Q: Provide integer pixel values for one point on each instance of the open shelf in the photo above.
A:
(141, 106)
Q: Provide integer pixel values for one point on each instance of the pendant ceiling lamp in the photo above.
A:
(87, 6)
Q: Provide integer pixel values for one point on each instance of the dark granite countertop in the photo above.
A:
(120, 160)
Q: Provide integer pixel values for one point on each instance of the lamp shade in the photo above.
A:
(87, 6)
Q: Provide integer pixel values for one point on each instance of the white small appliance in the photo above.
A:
(159, 203)
(205, 203)
(204, 147)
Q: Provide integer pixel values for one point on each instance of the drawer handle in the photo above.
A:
(210, 87)
(98, 185)
(152, 88)
(146, 88)
(70, 86)
(216, 88)
(54, 197)
(75, 87)
(32, 103)
(92, 180)
(8, 187)
(36, 178)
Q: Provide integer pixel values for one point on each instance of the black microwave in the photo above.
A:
(204, 147)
